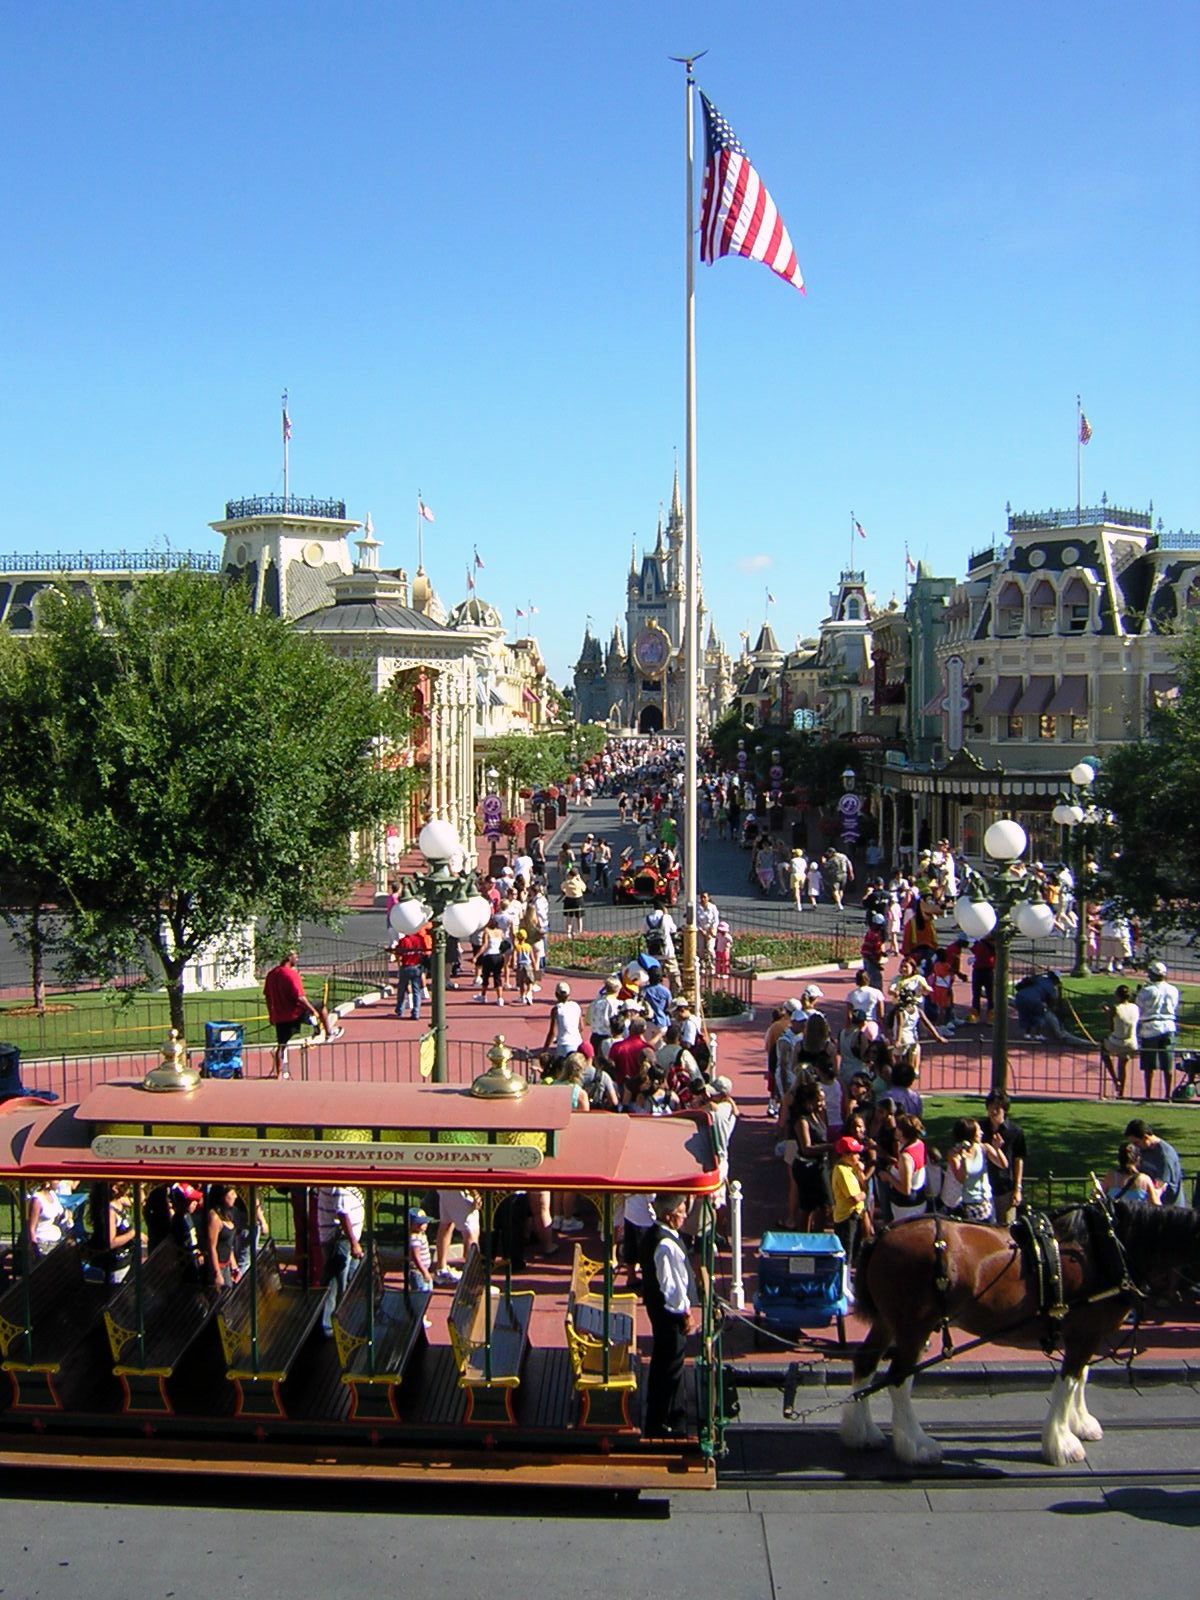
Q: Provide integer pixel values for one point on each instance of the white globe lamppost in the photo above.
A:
(999, 906)
(444, 896)
(1070, 814)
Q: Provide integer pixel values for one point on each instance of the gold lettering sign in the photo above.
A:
(317, 1154)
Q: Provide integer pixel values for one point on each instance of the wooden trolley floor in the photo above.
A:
(430, 1443)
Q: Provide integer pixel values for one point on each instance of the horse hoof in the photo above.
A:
(1089, 1430)
(858, 1432)
(1066, 1452)
(927, 1454)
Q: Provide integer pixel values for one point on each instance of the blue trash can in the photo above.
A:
(802, 1281)
(222, 1050)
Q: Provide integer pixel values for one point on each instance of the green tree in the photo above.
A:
(537, 760)
(212, 765)
(1150, 859)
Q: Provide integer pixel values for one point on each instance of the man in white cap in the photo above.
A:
(1158, 1022)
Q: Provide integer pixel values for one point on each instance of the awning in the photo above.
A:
(1070, 699)
(1002, 698)
(936, 706)
(1033, 702)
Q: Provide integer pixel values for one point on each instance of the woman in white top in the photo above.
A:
(565, 1032)
(966, 1187)
(48, 1221)
(1121, 1045)
(815, 882)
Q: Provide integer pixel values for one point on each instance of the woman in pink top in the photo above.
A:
(906, 1176)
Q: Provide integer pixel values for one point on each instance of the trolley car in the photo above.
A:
(494, 1381)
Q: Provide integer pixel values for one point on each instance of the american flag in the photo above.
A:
(478, 562)
(770, 598)
(859, 529)
(909, 564)
(1085, 428)
(424, 510)
(736, 213)
(287, 421)
(470, 581)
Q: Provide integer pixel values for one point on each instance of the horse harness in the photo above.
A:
(1034, 1235)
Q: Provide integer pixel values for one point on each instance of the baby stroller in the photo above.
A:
(1188, 1087)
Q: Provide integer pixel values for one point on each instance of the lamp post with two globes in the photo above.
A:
(999, 904)
(1068, 813)
(446, 897)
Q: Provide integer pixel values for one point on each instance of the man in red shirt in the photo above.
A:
(410, 956)
(289, 1008)
(625, 1056)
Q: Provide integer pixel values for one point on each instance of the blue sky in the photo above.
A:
(455, 234)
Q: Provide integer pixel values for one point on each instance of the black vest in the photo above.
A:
(652, 1295)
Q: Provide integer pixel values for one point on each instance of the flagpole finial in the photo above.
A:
(689, 62)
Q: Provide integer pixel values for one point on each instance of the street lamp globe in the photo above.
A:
(1083, 774)
(438, 841)
(1035, 919)
(406, 916)
(462, 918)
(1062, 814)
(1005, 840)
(976, 918)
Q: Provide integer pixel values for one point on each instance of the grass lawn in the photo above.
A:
(95, 1021)
(1089, 995)
(1069, 1138)
(603, 952)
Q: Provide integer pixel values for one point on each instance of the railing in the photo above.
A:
(278, 505)
(1176, 539)
(981, 558)
(1082, 517)
(114, 561)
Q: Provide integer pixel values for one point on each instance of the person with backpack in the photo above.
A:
(658, 932)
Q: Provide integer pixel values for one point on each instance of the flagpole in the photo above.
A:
(692, 582)
(1078, 459)
(420, 535)
(286, 431)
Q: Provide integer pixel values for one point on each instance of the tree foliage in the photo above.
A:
(1150, 859)
(537, 760)
(812, 763)
(209, 766)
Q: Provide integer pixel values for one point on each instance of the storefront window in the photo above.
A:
(1015, 727)
(1047, 727)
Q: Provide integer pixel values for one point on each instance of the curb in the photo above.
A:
(982, 1374)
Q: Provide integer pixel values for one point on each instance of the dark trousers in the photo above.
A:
(665, 1410)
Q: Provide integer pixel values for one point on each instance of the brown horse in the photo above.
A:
(990, 1293)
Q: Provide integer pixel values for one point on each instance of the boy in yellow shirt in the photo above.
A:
(846, 1180)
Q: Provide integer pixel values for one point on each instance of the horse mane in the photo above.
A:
(1158, 1236)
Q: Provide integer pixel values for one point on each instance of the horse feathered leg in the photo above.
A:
(909, 1440)
(858, 1431)
(1060, 1444)
(1079, 1419)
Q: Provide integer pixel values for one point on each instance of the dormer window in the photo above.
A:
(1010, 611)
(853, 610)
(1076, 607)
(1043, 607)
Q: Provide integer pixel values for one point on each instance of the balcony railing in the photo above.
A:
(278, 505)
(113, 561)
(1079, 517)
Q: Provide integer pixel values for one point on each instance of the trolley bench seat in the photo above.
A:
(604, 1400)
(399, 1331)
(286, 1315)
(488, 1369)
(176, 1309)
(63, 1309)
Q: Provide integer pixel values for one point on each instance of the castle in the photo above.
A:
(639, 682)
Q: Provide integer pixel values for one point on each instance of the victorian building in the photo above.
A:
(1054, 647)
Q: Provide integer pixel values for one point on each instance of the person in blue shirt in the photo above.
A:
(1037, 999)
(657, 998)
(1159, 1160)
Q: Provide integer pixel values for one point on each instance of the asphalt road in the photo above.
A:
(992, 1521)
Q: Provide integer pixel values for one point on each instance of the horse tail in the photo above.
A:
(862, 1296)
